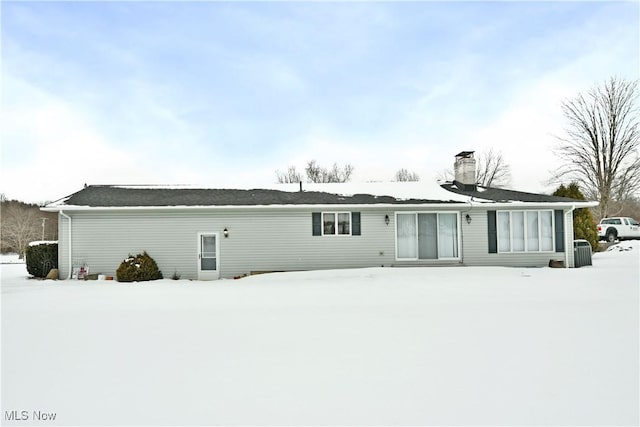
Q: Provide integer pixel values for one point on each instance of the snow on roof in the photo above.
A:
(429, 190)
(426, 190)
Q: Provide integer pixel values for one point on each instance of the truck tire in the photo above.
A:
(611, 236)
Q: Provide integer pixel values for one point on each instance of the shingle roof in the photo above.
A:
(504, 195)
(115, 196)
(108, 196)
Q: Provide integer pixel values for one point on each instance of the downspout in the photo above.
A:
(568, 239)
(70, 255)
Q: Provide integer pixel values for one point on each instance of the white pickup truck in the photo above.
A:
(618, 228)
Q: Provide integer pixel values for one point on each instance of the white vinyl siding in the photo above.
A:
(525, 231)
(427, 236)
(282, 239)
(259, 240)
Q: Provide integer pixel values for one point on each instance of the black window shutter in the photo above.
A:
(316, 220)
(492, 232)
(355, 223)
(559, 220)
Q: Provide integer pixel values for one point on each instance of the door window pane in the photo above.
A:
(208, 252)
(406, 236)
(448, 235)
(427, 236)
(209, 245)
(207, 263)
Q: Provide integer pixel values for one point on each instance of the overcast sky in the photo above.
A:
(223, 94)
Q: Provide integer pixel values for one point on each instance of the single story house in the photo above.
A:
(205, 234)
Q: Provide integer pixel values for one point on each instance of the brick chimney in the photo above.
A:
(465, 170)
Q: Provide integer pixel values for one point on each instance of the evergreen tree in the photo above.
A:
(584, 227)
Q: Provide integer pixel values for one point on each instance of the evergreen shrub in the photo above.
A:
(139, 268)
(41, 259)
(584, 226)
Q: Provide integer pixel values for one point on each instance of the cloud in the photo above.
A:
(224, 94)
(51, 149)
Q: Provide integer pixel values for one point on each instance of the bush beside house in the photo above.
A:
(41, 258)
(139, 268)
(584, 226)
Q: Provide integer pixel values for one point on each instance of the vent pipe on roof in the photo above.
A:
(465, 170)
(300, 185)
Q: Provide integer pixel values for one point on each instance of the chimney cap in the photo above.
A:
(464, 154)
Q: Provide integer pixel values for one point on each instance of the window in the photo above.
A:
(427, 235)
(336, 223)
(613, 221)
(328, 223)
(525, 231)
(406, 235)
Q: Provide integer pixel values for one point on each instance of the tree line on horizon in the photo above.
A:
(314, 173)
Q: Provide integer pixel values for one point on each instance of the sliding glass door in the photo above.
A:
(427, 236)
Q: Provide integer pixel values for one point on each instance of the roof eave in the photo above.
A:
(334, 206)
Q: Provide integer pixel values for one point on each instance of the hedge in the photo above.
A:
(42, 258)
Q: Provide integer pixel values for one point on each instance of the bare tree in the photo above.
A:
(21, 224)
(318, 174)
(290, 176)
(404, 175)
(340, 174)
(445, 175)
(314, 172)
(492, 170)
(600, 145)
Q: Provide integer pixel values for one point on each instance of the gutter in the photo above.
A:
(70, 246)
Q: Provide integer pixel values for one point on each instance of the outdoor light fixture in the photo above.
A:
(225, 232)
(468, 218)
(386, 219)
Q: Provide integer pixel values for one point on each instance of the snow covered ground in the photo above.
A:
(379, 346)
(10, 259)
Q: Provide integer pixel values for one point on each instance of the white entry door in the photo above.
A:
(208, 257)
